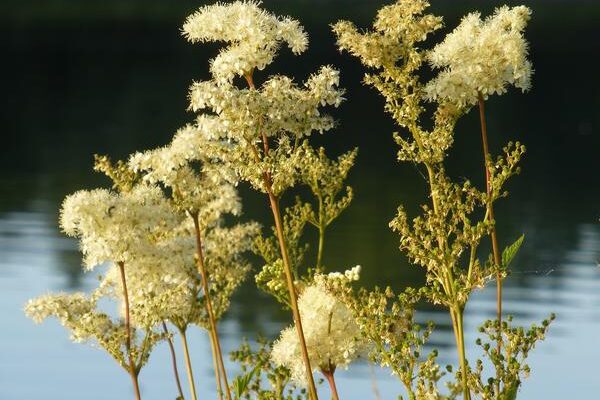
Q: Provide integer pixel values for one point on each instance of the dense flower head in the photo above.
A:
(116, 227)
(397, 28)
(254, 36)
(81, 315)
(207, 190)
(279, 112)
(167, 285)
(332, 335)
(255, 131)
(482, 56)
(278, 106)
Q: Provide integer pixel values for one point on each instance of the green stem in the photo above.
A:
(321, 234)
(320, 250)
(457, 322)
(173, 359)
(133, 372)
(493, 235)
(188, 364)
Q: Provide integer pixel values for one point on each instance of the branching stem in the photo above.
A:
(133, 371)
(457, 322)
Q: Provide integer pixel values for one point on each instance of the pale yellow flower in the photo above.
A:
(482, 57)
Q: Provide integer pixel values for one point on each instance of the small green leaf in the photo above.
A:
(510, 392)
(241, 383)
(511, 251)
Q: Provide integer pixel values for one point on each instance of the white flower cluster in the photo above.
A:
(254, 36)
(279, 106)
(208, 191)
(60, 305)
(255, 131)
(396, 28)
(337, 279)
(116, 227)
(332, 336)
(482, 57)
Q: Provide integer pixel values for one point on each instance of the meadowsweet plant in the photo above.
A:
(171, 251)
(117, 228)
(478, 59)
(201, 196)
(264, 130)
(171, 257)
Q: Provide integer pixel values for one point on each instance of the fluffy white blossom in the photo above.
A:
(482, 57)
(332, 335)
(206, 191)
(167, 285)
(279, 106)
(254, 36)
(116, 227)
(255, 131)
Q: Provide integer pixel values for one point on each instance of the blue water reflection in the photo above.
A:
(40, 361)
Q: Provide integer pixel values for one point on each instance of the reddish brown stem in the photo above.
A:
(173, 359)
(209, 309)
(132, 367)
(331, 380)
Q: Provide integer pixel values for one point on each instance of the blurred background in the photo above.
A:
(111, 77)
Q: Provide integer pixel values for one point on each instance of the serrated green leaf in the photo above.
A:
(511, 251)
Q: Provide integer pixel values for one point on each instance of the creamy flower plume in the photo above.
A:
(206, 191)
(116, 227)
(279, 106)
(332, 336)
(396, 29)
(80, 314)
(254, 36)
(482, 57)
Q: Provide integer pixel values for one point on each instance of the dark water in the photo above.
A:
(111, 77)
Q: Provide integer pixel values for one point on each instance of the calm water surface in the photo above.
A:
(114, 80)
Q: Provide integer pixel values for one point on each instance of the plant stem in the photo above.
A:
(332, 386)
(216, 365)
(292, 292)
(132, 367)
(173, 359)
(209, 310)
(374, 387)
(457, 322)
(493, 235)
(274, 202)
(456, 314)
(188, 364)
(320, 250)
